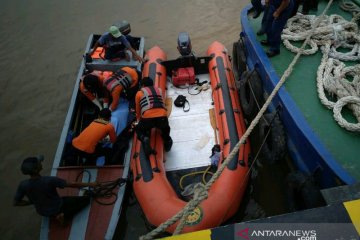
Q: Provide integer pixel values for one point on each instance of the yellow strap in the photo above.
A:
(100, 120)
(203, 235)
(353, 209)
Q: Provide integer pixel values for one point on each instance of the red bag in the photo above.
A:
(182, 76)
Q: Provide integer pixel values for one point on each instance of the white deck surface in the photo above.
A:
(192, 134)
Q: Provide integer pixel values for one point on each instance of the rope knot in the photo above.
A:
(200, 192)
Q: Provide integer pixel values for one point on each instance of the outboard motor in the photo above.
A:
(184, 44)
(124, 27)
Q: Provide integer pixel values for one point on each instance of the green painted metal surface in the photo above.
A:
(356, 2)
(301, 85)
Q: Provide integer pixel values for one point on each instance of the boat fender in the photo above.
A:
(239, 58)
(180, 101)
(274, 146)
(250, 93)
(303, 192)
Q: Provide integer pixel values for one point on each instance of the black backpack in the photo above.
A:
(180, 101)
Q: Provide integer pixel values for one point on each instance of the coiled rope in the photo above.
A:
(201, 191)
(349, 6)
(105, 190)
(332, 33)
(332, 78)
(334, 28)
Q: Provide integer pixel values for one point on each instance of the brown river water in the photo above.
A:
(42, 43)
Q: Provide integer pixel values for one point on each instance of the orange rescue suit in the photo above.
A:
(93, 134)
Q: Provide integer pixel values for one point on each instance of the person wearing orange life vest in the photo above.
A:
(125, 79)
(88, 144)
(91, 85)
(151, 113)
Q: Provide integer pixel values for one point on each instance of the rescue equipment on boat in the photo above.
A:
(274, 147)
(184, 44)
(151, 186)
(239, 57)
(183, 76)
(250, 93)
(180, 101)
(124, 27)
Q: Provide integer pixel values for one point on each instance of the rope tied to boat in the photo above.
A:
(334, 79)
(199, 194)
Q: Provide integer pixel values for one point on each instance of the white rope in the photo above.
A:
(337, 112)
(332, 34)
(342, 33)
(350, 7)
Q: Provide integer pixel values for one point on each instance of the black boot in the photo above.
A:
(168, 144)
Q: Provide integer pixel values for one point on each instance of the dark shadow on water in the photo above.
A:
(132, 224)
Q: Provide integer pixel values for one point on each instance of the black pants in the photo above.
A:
(146, 124)
(91, 157)
(310, 4)
(143, 132)
(296, 7)
(72, 205)
(115, 52)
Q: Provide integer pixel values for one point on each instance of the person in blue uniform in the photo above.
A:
(263, 20)
(309, 5)
(279, 12)
(258, 8)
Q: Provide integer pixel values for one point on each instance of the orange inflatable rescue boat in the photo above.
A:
(212, 116)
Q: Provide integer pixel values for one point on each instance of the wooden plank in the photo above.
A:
(213, 123)
(168, 105)
(100, 215)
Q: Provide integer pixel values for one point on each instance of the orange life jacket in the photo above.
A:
(152, 99)
(120, 77)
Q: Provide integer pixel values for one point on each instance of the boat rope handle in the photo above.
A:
(200, 190)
